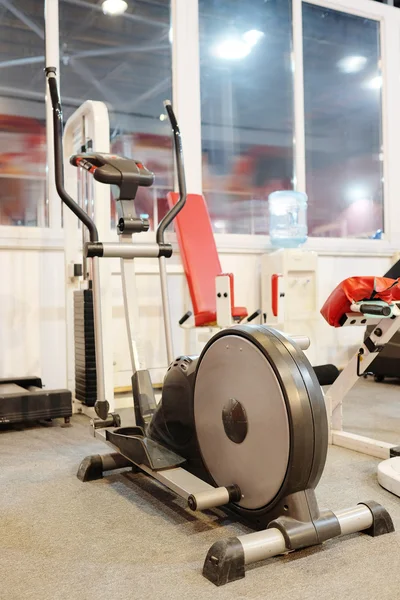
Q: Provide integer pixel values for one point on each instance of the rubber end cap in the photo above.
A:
(326, 374)
(102, 409)
(91, 468)
(192, 504)
(382, 521)
(224, 562)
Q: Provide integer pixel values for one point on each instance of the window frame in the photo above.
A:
(389, 18)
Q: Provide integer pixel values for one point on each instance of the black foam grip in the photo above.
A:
(185, 317)
(180, 169)
(254, 315)
(372, 309)
(59, 158)
(171, 115)
(55, 99)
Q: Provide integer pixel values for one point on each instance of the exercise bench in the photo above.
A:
(211, 290)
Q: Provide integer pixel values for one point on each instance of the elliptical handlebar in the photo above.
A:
(59, 156)
(171, 214)
(59, 164)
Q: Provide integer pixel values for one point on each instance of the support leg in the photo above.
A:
(226, 559)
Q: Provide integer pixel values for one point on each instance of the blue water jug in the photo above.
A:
(287, 218)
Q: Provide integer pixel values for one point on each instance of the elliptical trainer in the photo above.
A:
(242, 427)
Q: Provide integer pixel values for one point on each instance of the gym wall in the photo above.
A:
(32, 309)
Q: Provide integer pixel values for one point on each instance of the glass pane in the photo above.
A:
(247, 109)
(124, 61)
(342, 94)
(22, 115)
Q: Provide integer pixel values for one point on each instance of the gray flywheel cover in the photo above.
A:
(235, 368)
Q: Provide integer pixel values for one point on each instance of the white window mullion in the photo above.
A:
(186, 86)
(390, 60)
(299, 144)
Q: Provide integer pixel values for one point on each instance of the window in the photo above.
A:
(247, 109)
(124, 61)
(343, 123)
(22, 115)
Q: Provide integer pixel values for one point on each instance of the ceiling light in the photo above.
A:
(252, 37)
(235, 48)
(357, 192)
(352, 64)
(114, 7)
(375, 83)
(232, 49)
(219, 224)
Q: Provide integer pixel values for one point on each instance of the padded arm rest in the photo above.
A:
(356, 289)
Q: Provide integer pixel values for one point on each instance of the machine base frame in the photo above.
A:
(225, 561)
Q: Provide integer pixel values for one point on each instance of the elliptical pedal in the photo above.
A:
(141, 450)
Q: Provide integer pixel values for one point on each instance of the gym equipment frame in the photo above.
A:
(383, 331)
(23, 400)
(198, 441)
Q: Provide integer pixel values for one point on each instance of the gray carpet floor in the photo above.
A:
(373, 409)
(124, 537)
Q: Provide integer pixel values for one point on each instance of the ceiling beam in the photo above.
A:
(118, 50)
(38, 96)
(18, 62)
(156, 89)
(65, 57)
(23, 18)
(87, 76)
(12, 92)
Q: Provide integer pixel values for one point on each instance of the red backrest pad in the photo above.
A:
(199, 255)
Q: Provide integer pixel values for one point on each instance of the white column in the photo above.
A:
(299, 182)
(186, 86)
(390, 61)
(52, 60)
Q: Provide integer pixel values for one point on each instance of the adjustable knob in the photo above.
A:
(133, 225)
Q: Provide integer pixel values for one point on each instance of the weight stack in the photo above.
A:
(85, 351)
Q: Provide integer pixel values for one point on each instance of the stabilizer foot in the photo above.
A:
(382, 522)
(224, 562)
(91, 468)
